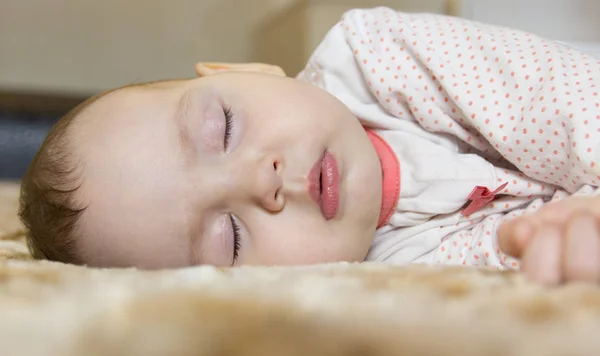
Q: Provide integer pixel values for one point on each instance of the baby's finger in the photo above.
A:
(514, 236)
(581, 254)
(560, 212)
(541, 261)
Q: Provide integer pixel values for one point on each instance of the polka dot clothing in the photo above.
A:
(464, 105)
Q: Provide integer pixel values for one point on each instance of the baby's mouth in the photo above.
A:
(324, 185)
(321, 183)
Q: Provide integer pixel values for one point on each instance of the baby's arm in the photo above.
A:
(544, 113)
(508, 95)
(555, 139)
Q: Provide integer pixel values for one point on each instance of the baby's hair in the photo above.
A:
(48, 208)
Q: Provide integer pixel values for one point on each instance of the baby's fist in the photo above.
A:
(559, 243)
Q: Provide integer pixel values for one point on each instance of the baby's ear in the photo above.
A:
(204, 69)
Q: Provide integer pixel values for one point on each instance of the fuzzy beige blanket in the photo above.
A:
(342, 309)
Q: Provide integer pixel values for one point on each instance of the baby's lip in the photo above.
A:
(314, 181)
(323, 185)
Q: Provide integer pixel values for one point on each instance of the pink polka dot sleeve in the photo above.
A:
(508, 95)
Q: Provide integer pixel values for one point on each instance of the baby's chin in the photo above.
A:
(364, 185)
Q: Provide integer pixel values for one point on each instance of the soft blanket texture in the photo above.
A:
(341, 309)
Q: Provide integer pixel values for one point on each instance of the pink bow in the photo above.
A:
(479, 197)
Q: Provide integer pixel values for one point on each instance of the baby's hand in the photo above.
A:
(559, 243)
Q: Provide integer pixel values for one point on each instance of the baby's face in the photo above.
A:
(216, 171)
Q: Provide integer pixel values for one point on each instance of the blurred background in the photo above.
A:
(56, 53)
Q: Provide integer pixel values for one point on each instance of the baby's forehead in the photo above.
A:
(126, 96)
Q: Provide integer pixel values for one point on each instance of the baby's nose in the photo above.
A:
(267, 185)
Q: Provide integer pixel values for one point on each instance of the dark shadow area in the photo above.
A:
(25, 119)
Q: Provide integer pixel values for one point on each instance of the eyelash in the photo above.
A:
(236, 238)
(228, 125)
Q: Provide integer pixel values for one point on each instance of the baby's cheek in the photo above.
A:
(280, 244)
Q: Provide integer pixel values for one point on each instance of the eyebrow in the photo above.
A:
(182, 119)
(194, 236)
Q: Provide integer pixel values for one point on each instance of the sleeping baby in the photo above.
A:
(408, 138)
